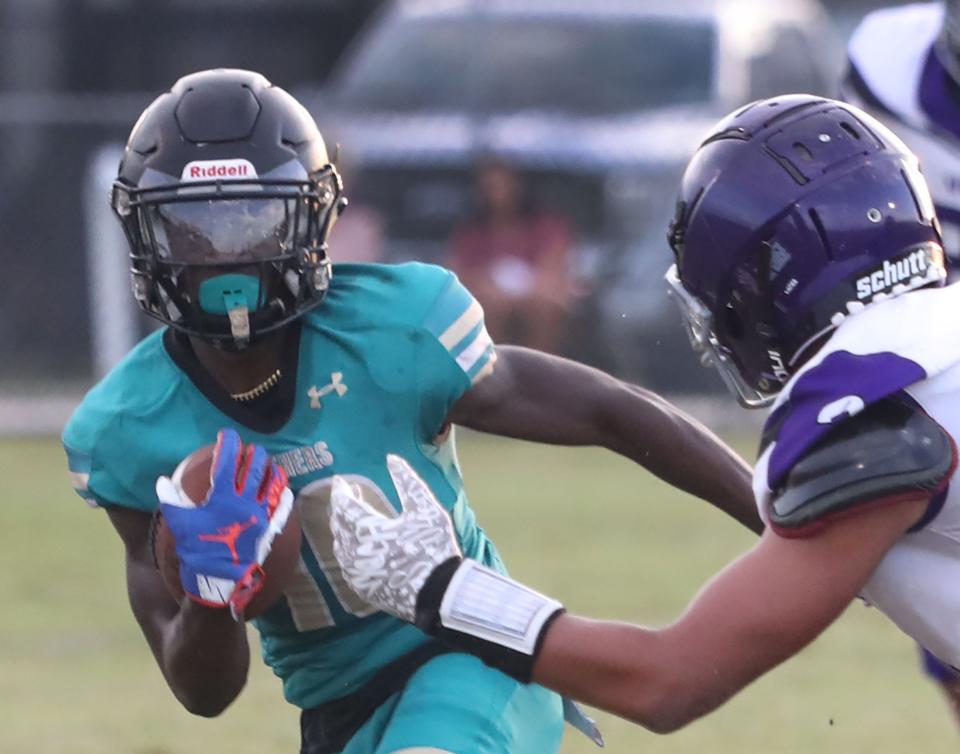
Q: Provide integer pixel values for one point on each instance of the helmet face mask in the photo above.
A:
(228, 239)
(273, 230)
(698, 323)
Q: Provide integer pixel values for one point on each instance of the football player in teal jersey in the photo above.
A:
(227, 194)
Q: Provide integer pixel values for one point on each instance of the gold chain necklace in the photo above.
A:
(256, 392)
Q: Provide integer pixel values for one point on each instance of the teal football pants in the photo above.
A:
(457, 704)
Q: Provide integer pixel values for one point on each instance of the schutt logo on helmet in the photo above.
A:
(909, 269)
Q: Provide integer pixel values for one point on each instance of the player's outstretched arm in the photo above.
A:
(534, 396)
(759, 611)
(202, 651)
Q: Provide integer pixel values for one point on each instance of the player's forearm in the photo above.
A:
(760, 610)
(659, 679)
(205, 658)
(643, 426)
(624, 669)
(202, 652)
(542, 398)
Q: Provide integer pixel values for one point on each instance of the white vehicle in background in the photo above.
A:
(599, 103)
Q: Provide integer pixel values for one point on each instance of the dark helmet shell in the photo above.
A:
(217, 139)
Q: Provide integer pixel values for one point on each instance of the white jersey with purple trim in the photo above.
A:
(893, 73)
(905, 345)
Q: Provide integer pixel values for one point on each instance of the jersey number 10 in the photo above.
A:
(305, 596)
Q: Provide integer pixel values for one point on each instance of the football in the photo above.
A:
(194, 481)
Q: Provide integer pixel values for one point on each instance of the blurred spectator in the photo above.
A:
(514, 257)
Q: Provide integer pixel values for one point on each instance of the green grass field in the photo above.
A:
(76, 676)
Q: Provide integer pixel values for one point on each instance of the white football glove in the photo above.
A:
(386, 560)
(410, 566)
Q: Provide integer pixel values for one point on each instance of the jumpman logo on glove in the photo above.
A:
(228, 535)
(247, 506)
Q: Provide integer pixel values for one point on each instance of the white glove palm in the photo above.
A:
(386, 560)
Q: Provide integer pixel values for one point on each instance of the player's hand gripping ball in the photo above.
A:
(227, 533)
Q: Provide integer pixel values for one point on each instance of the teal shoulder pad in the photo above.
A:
(380, 294)
(889, 450)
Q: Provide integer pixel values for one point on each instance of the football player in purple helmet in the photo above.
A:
(809, 269)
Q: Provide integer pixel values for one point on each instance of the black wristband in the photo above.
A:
(431, 595)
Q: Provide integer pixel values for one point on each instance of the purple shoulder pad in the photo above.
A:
(837, 388)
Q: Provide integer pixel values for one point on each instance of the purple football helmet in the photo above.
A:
(794, 213)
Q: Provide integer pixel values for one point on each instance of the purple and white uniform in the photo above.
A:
(904, 347)
(894, 74)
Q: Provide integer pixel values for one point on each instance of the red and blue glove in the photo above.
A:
(223, 541)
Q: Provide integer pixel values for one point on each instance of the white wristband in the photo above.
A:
(491, 606)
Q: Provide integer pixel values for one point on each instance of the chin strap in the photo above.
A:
(240, 324)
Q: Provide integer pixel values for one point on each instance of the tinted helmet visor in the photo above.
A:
(217, 231)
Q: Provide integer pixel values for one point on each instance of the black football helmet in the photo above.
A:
(227, 195)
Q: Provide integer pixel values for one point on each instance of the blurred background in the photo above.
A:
(534, 146)
(572, 118)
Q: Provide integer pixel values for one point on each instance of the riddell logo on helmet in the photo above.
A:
(212, 170)
(893, 272)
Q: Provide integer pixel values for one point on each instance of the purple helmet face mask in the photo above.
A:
(795, 213)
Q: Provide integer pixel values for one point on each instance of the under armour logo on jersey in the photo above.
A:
(336, 385)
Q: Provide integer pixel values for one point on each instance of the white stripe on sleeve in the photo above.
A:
(79, 481)
(474, 352)
(472, 317)
(486, 371)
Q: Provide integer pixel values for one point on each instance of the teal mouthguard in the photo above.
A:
(225, 293)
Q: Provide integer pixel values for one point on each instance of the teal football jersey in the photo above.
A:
(381, 361)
